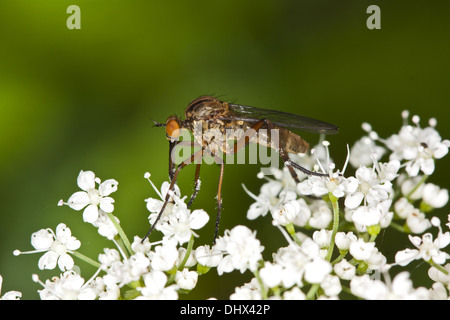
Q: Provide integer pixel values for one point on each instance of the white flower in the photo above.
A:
(286, 213)
(265, 201)
(408, 185)
(155, 287)
(361, 250)
(434, 196)
(331, 285)
(317, 270)
(419, 147)
(319, 212)
(249, 291)
(345, 270)
(439, 276)
(207, 256)
(403, 208)
(190, 262)
(177, 220)
(294, 294)
(364, 151)
(417, 221)
(271, 274)
(91, 198)
(343, 240)
(427, 249)
(10, 295)
(105, 225)
(367, 216)
(241, 250)
(400, 288)
(69, 286)
(336, 185)
(186, 279)
(123, 272)
(56, 247)
(322, 238)
(108, 258)
(165, 256)
(371, 188)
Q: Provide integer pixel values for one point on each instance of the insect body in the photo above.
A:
(211, 121)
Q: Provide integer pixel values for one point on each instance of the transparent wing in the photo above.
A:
(281, 119)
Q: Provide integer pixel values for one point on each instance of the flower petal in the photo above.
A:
(42, 239)
(86, 180)
(63, 233)
(404, 257)
(352, 201)
(65, 262)
(78, 200)
(48, 260)
(107, 187)
(90, 214)
(106, 204)
(197, 219)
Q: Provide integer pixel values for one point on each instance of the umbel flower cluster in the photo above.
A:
(332, 226)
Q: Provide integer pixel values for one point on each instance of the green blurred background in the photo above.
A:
(74, 100)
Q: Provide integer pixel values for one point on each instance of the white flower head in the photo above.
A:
(241, 250)
(401, 288)
(186, 279)
(69, 286)
(56, 245)
(155, 287)
(177, 221)
(249, 291)
(207, 256)
(426, 248)
(374, 184)
(362, 250)
(418, 146)
(345, 270)
(335, 183)
(434, 196)
(364, 151)
(271, 274)
(91, 198)
(343, 240)
(165, 256)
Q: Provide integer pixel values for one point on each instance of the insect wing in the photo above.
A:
(281, 119)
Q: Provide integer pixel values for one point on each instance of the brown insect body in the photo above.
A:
(214, 115)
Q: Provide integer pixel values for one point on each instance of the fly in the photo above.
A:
(249, 124)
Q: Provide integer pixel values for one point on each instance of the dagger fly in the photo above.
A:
(213, 124)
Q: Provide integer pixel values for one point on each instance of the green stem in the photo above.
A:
(263, 289)
(122, 234)
(424, 178)
(439, 267)
(291, 230)
(335, 204)
(398, 227)
(173, 272)
(85, 258)
(188, 253)
(312, 291)
(341, 256)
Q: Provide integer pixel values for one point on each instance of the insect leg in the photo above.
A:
(196, 185)
(285, 156)
(219, 202)
(192, 158)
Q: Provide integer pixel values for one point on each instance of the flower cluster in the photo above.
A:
(332, 226)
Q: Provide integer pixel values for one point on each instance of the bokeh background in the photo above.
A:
(86, 99)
